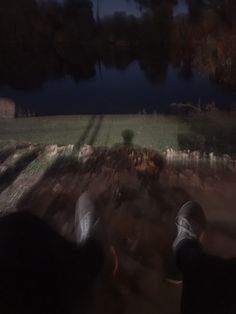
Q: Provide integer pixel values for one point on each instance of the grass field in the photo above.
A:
(150, 131)
(205, 132)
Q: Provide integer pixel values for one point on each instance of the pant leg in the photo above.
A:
(208, 281)
(81, 270)
(92, 257)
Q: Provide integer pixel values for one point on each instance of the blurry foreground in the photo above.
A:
(137, 193)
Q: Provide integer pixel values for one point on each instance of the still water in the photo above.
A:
(119, 91)
(108, 7)
(112, 89)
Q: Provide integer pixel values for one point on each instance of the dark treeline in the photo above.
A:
(47, 39)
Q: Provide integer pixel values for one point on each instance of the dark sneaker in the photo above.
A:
(190, 222)
(173, 276)
(86, 218)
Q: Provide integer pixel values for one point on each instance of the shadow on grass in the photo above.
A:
(56, 192)
(128, 136)
(11, 173)
(96, 130)
(86, 132)
(7, 152)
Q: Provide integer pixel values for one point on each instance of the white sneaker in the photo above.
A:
(86, 218)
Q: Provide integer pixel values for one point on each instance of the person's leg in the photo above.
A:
(91, 235)
(207, 280)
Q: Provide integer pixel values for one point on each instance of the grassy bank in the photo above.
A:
(151, 131)
(204, 132)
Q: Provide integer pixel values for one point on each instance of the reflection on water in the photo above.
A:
(108, 7)
(65, 59)
(115, 91)
(181, 7)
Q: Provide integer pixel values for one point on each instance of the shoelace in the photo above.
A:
(183, 223)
